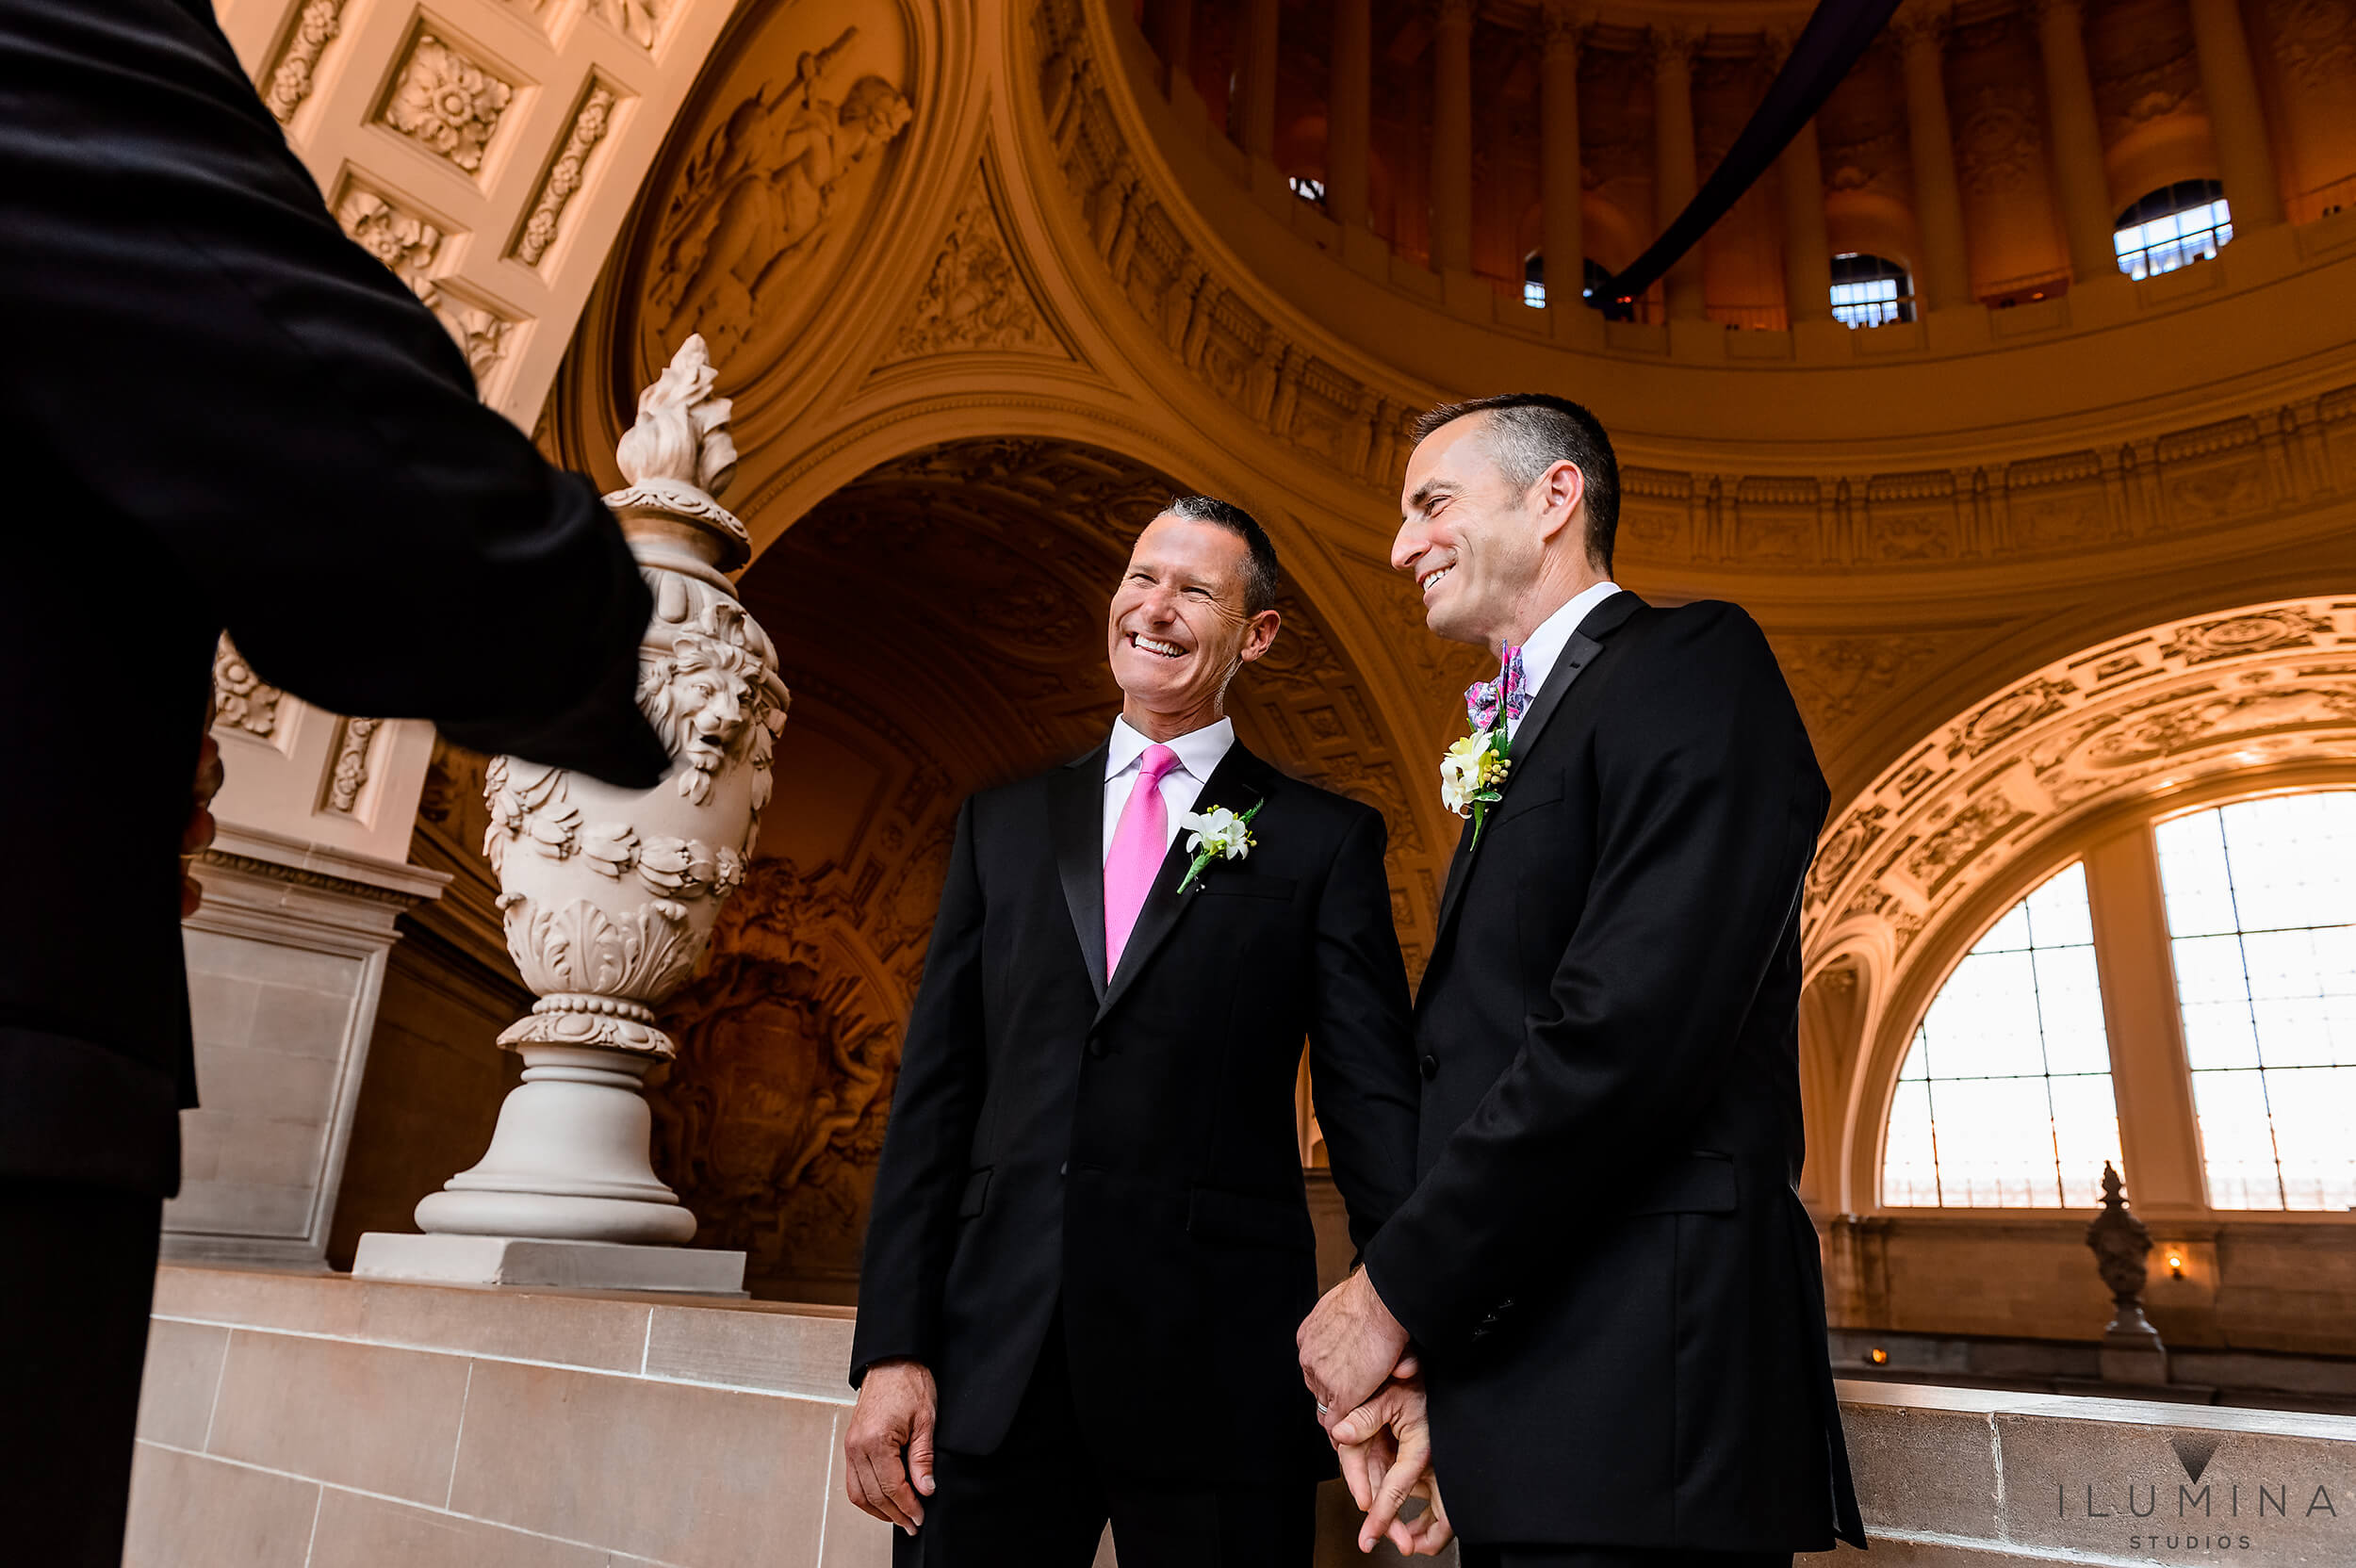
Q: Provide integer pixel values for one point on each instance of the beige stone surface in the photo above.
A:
(798, 1352)
(697, 1475)
(577, 1331)
(183, 1372)
(190, 1511)
(853, 1538)
(371, 1532)
(1924, 1469)
(360, 1415)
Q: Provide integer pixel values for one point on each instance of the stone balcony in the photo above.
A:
(317, 1421)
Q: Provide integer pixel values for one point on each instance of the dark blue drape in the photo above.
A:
(1835, 36)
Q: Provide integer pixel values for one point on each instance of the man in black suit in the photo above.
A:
(230, 416)
(1089, 1205)
(1605, 1272)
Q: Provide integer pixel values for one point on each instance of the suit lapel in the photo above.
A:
(1076, 805)
(1240, 782)
(1577, 653)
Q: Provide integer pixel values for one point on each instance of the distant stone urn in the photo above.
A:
(609, 896)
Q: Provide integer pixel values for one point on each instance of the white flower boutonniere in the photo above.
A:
(1470, 774)
(1218, 835)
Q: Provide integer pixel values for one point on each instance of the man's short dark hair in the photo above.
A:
(1260, 579)
(1532, 432)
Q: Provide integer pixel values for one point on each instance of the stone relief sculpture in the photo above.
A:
(765, 192)
(609, 895)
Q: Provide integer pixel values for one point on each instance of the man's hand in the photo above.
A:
(197, 836)
(1386, 1447)
(895, 1414)
(1349, 1346)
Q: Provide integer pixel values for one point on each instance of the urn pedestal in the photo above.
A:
(610, 896)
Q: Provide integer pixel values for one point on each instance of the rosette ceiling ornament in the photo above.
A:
(609, 895)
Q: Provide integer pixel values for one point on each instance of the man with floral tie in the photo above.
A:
(1090, 1246)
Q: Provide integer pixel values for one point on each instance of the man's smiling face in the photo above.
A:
(1178, 627)
(1468, 539)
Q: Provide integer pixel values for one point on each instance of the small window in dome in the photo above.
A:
(1870, 292)
(1534, 281)
(1309, 191)
(2183, 222)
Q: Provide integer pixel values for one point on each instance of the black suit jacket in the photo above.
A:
(221, 412)
(1130, 1147)
(1606, 1262)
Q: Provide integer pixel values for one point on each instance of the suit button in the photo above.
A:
(1429, 1066)
(1064, 1169)
(1096, 1048)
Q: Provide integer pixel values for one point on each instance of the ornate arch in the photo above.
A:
(1911, 871)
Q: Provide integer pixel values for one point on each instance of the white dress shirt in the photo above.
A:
(1199, 752)
(1546, 644)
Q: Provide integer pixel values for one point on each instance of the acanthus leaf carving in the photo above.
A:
(976, 298)
(242, 699)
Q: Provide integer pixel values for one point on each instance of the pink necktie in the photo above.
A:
(1141, 842)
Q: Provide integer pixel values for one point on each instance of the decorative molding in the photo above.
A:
(976, 297)
(481, 331)
(319, 881)
(445, 102)
(403, 240)
(241, 699)
(348, 772)
(638, 21)
(564, 175)
(291, 79)
(2136, 715)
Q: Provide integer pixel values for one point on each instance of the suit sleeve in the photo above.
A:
(201, 354)
(913, 1222)
(1362, 1063)
(1710, 802)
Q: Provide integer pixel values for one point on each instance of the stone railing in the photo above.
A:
(362, 1422)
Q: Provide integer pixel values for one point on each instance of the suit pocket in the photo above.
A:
(1242, 1219)
(977, 1192)
(1699, 1183)
(1514, 805)
(1239, 885)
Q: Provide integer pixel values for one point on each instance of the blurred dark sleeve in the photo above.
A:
(198, 347)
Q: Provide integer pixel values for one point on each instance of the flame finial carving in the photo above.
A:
(682, 435)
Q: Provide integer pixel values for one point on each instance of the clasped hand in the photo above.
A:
(1370, 1397)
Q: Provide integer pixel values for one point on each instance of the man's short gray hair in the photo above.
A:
(1532, 432)
(1260, 578)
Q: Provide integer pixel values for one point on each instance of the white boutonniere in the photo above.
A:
(1218, 835)
(1470, 774)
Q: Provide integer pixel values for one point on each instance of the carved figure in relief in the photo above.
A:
(763, 193)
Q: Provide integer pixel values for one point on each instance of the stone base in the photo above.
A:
(460, 1260)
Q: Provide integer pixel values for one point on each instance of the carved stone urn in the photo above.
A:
(609, 896)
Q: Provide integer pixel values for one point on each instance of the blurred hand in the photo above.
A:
(197, 836)
(893, 1418)
(1385, 1447)
(1349, 1346)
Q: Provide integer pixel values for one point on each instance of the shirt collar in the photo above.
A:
(1553, 635)
(1199, 750)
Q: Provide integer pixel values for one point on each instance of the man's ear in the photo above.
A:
(1561, 495)
(1259, 634)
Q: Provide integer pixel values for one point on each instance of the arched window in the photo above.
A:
(1309, 191)
(2261, 899)
(1868, 292)
(1593, 275)
(2005, 1100)
(2178, 223)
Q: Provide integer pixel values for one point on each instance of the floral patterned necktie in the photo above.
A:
(1511, 688)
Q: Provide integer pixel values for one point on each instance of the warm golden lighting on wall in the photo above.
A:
(2175, 1266)
(1878, 1356)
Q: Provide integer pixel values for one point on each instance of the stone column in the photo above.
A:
(1349, 112)
(1173, 36)
(1807, 249)
(1451, 137)
(1675, 172)
(1255, 122)
(609, 896)
(1943, 273)
(1562, 240)
(2236, 121)
(2082, 185)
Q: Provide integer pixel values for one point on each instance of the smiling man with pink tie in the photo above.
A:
(1089, 1203)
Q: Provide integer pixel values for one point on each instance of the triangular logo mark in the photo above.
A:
(2193, 1453)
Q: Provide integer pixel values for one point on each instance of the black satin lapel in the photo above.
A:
(1076, 799)
(1237, 783)
(1459, 867)
(1577, 653)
